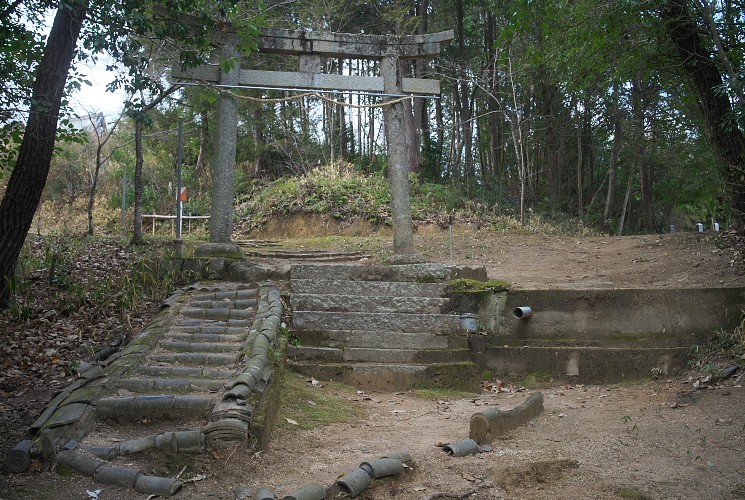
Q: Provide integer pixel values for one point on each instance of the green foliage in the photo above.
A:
(727, 347)
(334, 189)
(632, 494)
(732, 343)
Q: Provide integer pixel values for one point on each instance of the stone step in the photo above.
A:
(428, 272)
(369, 288)
(376, 338)
(218, 304)
(395, 377)
(221, 314)
(197, 358)
(583, 364)
(588, 340)
(168, 404)
(199, 347)
(183, 372)
(206, 337)
(229, 295)
(349, 303)
(214, 329)
(150, 385)
(376, 355)
(392, 322)
(313, 255)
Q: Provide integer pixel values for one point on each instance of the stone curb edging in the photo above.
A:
(119, 476)
(233, 415)
(487, 425)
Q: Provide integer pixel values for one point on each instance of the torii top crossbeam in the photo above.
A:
(347, 45)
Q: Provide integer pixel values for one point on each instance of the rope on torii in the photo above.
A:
(222, 90)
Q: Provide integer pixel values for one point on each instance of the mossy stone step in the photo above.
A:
(401, 322)
(377, 338)
(197, 358)
(220, 304)
(213, 329)
(199, 347)
(376, 355)
(145, 385)
(206, 337)
(337, 302)
(183, 372)
(222, 314)
(380, 355)
(154, 405)
(368, 288)
(229, 295)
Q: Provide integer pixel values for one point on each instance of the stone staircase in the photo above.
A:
(383, 328)
(198, 378)
(207, 364)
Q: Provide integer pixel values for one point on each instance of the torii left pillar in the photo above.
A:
(226, 133)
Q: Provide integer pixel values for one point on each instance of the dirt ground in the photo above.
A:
(532, 260)
(662, 439)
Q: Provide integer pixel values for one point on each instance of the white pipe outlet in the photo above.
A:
(522, 312)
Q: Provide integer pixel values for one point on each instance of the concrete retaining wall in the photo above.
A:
(620, 318)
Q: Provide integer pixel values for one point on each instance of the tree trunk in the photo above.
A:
(26, 183)
(646, 222)
(203, 129)
(139, 161)
(715, 106)
(463, 95)
(622, 219)
(613, 160)
(420, 122)
(260, 166)
(580, 168)
(552, 152)
(94, 186)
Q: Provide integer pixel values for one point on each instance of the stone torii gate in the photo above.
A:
(311, 46)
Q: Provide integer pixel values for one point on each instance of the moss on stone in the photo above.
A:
(475, 286)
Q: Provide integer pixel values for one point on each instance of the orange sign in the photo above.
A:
(183, 194)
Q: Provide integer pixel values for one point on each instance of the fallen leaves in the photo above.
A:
(675, 404)
(499, 387)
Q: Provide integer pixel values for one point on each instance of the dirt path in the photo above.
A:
(538, 261)
(657, 440)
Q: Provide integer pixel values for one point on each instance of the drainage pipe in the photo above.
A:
(382, 467)
(354, 482)
(19, 458)
(312, 492)
(523, 312)
(462, 448)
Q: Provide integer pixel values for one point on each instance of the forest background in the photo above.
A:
(624, 115)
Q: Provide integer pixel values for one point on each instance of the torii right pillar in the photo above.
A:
(398, 160)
